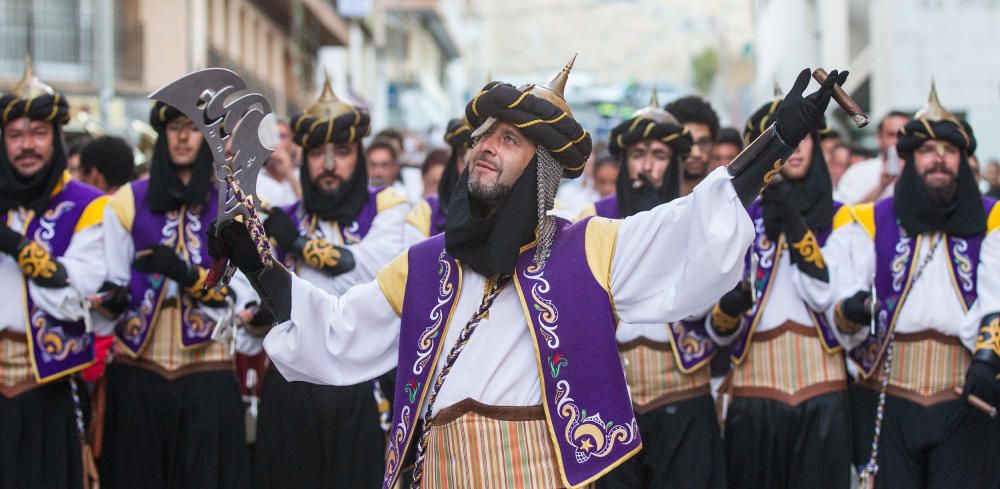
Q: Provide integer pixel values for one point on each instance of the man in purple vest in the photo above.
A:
(50, 260)
(340, 234)
(427, 218)
(787, 423)
(503, 327)
(174, 417)
(916, 276)
(669, 384)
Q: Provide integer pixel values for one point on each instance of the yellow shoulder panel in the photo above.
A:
(123, 203)
(842, 217)
(599, 242)
(388, 198)
(589, 210)
(392, 281)
(420, 217)
(93, 214)
(993, 220)
(864, 214)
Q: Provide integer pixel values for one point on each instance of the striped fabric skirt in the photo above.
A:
(165, 356)
(788, 364)
(16, 376)
(926, 368)
(490, 447)
(655, 379)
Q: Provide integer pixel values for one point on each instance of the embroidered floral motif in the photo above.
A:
(318, 254)
(446, 291)
(591, 436)
(989, 336)
(547, 314)
(962, 263)
(808, 248)
(412, 388)
(55, 344)
(556, 364)
(36, 262)
(396, 441)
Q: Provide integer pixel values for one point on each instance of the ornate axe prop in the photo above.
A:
(210, 98)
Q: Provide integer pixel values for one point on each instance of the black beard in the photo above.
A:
(942, 196)
(490, 195)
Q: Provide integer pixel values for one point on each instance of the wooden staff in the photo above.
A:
(978, 403)
(843, 100)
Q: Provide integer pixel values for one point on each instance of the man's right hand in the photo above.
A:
(797, 116)
(854, 312)
(280, 227)
(233, 241)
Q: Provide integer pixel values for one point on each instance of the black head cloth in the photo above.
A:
(540, 112)
(331, 120)
(166, 189)
(37, 101)
(458, 136)
(650, 123)
(917, 213)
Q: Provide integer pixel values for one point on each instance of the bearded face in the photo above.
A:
(497, 160)
(331, 165)
(937, 162)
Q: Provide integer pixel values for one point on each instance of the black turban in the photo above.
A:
(33, 192)
(349, 127)
(458, 135)
(540, 120)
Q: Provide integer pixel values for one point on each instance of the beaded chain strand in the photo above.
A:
(497, 284)
(252, 222)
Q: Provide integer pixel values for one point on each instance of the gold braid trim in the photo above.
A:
(319, 254)
(36, 262)
(989, 337)
(201, 294)
(808, 248)
(843, 324)
(722, 322)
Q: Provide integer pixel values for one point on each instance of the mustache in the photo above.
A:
(940, 168)
(327, 173)
(28, 153)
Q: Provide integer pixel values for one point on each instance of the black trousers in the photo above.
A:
(173, 434)
(681, 447)
(774, 445)
(39, 440)
(319, 436)
(945, 445)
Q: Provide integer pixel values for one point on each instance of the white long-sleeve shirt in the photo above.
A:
(932, 302)
(697, 243)
(792, 295)
(85, 269)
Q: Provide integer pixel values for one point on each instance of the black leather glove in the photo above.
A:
(115, 299)
(854, 312)
(736, 301)
(10, 240)
(163, 260)
(280, 227)
(797, 116)
(983, 380)
(273, 285)
(726, 313)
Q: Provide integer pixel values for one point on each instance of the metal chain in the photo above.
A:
(870, 470)
(497, 285)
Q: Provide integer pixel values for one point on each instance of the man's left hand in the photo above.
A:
(797, 116)
(163, 260)
(983, 380)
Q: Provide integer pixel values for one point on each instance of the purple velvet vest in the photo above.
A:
(352, 234)
(57, 348)
(607, 207)
(185, 230)
(768, 254)
(585, 398)
(437, 215)
(895, 262)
